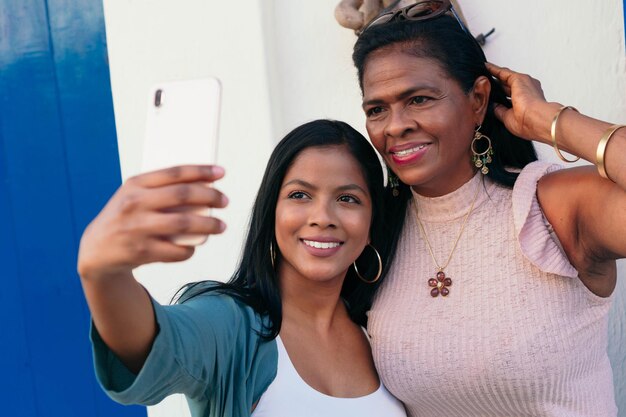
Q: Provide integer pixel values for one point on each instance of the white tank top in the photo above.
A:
(289, 396)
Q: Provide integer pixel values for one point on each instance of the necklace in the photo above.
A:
(441, 282)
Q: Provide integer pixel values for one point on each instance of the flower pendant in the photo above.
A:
(440, 284)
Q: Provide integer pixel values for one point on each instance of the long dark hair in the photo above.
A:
(255, 281)
(458, 53)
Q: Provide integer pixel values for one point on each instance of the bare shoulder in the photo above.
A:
(567, 194)
(560, 192)
(570, 177)
(583, 209)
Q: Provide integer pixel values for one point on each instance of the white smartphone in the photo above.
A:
(182, 128)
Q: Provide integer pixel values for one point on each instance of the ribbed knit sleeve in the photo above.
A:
(537, 240)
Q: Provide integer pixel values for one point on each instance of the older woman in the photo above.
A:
(498, 297)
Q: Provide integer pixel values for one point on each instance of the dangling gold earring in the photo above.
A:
(380, 268)
(481, 159)
(394, 182)
(272, 255)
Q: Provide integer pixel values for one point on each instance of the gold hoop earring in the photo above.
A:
(481, 159)
(380, 268)
(272, 255)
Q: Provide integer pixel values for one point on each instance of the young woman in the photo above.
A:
(283, 336)
(497, 301)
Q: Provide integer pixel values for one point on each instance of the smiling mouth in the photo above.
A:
(321, 245)
(409, 151)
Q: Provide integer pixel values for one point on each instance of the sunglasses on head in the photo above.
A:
(420, 11)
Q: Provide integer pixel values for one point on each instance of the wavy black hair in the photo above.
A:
(255, 282)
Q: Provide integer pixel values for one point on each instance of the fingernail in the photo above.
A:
(224, 200)
(217, 170)
(222, 226)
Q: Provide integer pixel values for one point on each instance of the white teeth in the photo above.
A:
(320, 245)
(409, 151)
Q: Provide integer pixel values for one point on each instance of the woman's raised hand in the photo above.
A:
(530, 115)
(137, 224)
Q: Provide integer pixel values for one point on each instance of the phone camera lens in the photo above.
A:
(157, 97)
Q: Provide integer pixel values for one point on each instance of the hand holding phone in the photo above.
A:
(128, 232)
(182, 129)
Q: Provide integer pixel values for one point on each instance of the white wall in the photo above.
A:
(152, 41)
(284, 62)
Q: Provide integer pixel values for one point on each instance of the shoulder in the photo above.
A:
(533, 173)
(212, 296)
(569, 183)
(536, 228)
(525, 190)
(555, 185)
(562, 194)
(584, 210)
(207, 308)
(224, 311)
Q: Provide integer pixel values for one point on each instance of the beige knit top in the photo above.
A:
(518, 334)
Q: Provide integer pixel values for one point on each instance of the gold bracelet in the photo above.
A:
(601, 150)
(553, 134)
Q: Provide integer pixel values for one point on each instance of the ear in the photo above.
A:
(479, 97)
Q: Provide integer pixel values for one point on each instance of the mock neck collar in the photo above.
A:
(453, 205)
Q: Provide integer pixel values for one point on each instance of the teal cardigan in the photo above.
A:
(208, 348)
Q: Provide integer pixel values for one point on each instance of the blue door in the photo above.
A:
(58, 165)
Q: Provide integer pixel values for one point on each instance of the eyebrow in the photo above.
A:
(402, 95)
(306, 184)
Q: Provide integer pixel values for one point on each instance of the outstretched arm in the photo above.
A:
(588, 212)
(134, 229)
